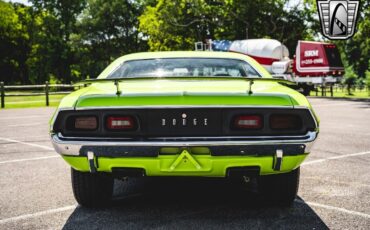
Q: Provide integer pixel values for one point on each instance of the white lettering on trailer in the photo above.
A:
(312, 61)
(311, 53)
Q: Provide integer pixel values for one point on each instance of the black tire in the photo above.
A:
(92, 190)
(280, 189)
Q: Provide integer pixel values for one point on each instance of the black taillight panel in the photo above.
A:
(121, 123)
(185, 122)
(86, 123)
(285, 122)
(67, 120)
(298, 122)
(247, 122)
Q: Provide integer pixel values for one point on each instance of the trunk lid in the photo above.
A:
(187, 92)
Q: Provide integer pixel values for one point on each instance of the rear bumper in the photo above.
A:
(210, 166)
(188, 157)
(218, 146)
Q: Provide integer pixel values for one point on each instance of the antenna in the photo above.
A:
(251, 82)
(116, 83)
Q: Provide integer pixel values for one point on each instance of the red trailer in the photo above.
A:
(314, 63)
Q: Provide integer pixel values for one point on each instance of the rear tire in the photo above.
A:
(280, 189)
(92, 190)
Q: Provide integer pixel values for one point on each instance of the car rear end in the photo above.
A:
(149, 140)
(195, 126)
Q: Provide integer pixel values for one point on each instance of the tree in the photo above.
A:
(176, 25)
(350, 79)
(356, 50)
(59, 25)
(107, 30)
(17, 43)
(367, 80)
(10, 32)
(25, 41)
(66, 40)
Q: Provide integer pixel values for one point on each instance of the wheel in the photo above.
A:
(279, 189)
(91, 190)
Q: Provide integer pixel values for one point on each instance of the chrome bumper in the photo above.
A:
(79, 146)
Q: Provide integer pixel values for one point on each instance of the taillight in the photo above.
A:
(248, 122)
(285, 121)
(121, 123)
(85, 123)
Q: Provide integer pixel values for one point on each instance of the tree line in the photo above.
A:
(69, 40)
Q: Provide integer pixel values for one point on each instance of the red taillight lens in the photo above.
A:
(86, 123)
(120, 123)
(285, 121)
(248, 122)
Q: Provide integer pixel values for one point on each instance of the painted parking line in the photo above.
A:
(24, 117)
(26, 143)
(334, 158)
(324, 206)
(27, 124)
(333, 104)
(28, 159)
(37, 214)
(71, 207)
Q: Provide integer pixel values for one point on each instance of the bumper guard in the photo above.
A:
(219, 146)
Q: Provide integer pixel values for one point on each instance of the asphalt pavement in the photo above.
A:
(334, 193)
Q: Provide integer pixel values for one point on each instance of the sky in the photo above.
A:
(21, 1)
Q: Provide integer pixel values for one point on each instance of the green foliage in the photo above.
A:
(367, 80)
(350, 78)
(178, 24)
(107, 30)
(356, 50)
(59, 25)
(12, 37)
(69, 40)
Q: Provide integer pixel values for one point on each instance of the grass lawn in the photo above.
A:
(39, 101)
(31, 101)
(344, 94)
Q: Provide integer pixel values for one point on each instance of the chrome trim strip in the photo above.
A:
(300, 107)
(73, 147)
(205, 138)
(184, 107)
(180, 93)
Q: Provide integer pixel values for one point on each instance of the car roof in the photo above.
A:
(183, 54)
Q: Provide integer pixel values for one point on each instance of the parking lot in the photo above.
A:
(35, 187)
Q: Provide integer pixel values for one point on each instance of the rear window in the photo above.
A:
(184, 67)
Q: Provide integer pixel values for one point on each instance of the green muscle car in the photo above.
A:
(202, 114)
